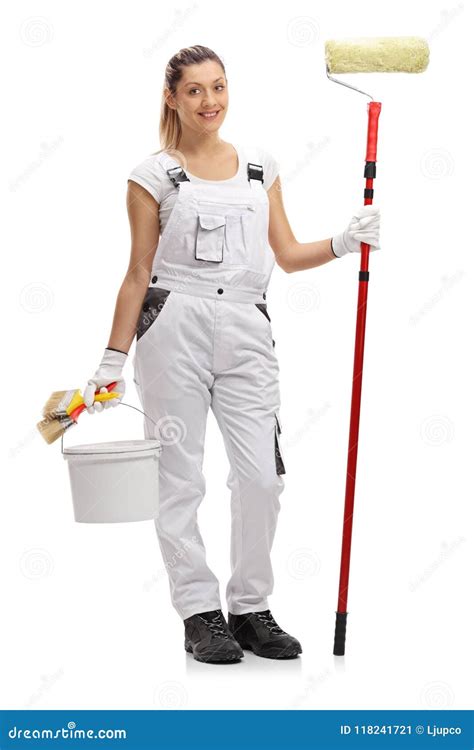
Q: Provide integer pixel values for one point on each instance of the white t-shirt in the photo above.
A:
(151, 175)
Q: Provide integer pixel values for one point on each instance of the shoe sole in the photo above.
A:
(213, 660)
(277, 654)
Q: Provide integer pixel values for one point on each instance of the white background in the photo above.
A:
(87, 620)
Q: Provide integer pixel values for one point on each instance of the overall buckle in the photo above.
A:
(254, 172)
(177, 175)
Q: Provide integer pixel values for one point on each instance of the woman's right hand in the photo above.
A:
(109, 371)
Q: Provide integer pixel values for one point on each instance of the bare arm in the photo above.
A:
(290, 254)
(143, 214)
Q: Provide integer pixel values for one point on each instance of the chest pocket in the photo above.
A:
(210, 237)
(241, 235)
(226, 232)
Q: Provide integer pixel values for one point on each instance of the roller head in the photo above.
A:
(383, 54)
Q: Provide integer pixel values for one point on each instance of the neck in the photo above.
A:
(201, 144)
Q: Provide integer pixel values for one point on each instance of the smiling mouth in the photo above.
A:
(209, 115)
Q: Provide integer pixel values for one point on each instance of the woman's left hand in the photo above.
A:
(364, 227)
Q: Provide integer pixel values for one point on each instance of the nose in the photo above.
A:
(208, 102)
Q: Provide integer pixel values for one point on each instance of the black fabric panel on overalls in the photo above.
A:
(153, 303)
(280, 466)
(263, 307)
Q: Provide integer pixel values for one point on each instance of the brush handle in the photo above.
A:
(98, 397)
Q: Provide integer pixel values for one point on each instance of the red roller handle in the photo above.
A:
(341, 614)
(372, 130)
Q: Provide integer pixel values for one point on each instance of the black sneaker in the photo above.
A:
(258, 632)
(208, 638)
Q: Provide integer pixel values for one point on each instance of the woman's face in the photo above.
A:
(201, 97)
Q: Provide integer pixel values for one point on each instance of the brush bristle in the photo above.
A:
(52, 429)
(53, 402)
(389, 54)
(58, 402)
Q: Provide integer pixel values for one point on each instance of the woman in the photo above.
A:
(195, 299)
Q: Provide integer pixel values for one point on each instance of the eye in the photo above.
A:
(219, 86)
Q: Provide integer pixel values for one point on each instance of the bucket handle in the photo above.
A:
(121, 403)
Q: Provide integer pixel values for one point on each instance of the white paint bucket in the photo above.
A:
(116, 481)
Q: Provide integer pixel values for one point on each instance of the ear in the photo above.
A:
(169, 98)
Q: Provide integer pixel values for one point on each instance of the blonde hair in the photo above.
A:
(170, 126)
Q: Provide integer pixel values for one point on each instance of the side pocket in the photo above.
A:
(210, 237)
(263, 307)
(280, 466)
(153, 303)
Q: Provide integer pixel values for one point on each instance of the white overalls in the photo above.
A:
(204, 339)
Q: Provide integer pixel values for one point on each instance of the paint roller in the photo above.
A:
(405, 54)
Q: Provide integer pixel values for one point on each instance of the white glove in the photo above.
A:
(364, 227)
(109, 371)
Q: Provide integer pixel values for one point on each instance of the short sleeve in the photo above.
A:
(146, 174)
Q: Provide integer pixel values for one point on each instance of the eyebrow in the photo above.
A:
(197, 82)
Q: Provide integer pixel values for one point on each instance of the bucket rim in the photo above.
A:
(113, 448)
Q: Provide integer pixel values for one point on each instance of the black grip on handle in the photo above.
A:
(340, 634)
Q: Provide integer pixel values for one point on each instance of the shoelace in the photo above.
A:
(267, 618)
(217, 626)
